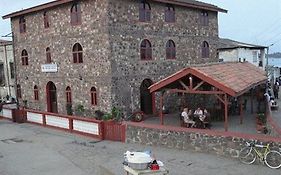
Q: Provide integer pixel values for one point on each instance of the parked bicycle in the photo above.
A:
(249, 154)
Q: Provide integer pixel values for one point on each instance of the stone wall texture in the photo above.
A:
(110, 35)
(223, 144)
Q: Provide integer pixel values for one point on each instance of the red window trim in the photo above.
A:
(77, 53)
(205, 50)
(68, 95)
(36, 93)
(94, 96)
(170, 15)
(48, 55)
(46, 20)
(144, 12)
(75, 14)
(24, 58)
(146, 50)
(204, 18)
(170, 50)
(22, 25)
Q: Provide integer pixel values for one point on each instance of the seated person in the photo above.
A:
(198, 113)
(186, 117)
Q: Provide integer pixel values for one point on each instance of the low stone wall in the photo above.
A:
(215, 142)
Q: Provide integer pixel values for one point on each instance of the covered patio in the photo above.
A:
(226, 85)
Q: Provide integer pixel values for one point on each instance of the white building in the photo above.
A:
(7, 72)
(234, 51)
(274, 68)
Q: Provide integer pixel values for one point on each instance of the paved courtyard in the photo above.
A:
(27, 149)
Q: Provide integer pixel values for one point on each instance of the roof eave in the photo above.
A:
(216, 9)
(37, 8)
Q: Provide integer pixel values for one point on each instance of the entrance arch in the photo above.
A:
(51, 93)
(146, 98)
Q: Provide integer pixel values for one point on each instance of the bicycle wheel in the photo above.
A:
(247, 155)
(273, 159)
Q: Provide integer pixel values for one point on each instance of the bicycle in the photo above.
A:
(249, 154)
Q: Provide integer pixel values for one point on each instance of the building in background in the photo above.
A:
(274, 69)
(96, 55)
(234, 51)
(7, 73)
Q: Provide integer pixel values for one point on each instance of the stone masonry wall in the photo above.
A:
(219, 143)
(126, 34)
(110, 35)
(60, 37)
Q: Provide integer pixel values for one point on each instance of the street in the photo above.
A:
(27, 149)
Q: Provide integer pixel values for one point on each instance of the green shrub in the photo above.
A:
(262, 117)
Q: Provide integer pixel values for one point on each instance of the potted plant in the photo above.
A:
(114, 115)
(261, 121)
(80, 110)
(69, 110)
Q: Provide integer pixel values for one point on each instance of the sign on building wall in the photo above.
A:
(49, 68)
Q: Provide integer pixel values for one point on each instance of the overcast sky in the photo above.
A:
(251, 21)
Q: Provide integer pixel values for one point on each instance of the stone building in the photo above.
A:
(98, 54)
(7, 74)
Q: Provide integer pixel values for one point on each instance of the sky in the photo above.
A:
(251, 21)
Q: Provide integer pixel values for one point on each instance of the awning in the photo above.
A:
(233, 78)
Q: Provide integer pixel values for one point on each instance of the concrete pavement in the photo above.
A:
(27, 149)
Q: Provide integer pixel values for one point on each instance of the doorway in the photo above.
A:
(51, 91)
(146, 98)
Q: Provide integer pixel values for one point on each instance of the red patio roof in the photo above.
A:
(233, 78)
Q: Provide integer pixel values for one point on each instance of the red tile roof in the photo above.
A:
(186, 3)
(232, 78)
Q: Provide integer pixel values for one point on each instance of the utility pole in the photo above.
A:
(267, 67)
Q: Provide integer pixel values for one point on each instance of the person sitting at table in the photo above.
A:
(186, 117)
(206, 118)
(198, 113)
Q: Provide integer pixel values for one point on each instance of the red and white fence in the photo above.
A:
(84, 126)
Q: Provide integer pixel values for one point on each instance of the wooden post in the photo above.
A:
(161, 107)
(153, 103)
(241, 110)
(190, 83)
(225, 113)
(252, 101)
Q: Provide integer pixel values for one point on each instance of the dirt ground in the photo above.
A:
(27, 149)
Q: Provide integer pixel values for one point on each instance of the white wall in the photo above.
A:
(245, 54)
(6, 57)
(228, 55)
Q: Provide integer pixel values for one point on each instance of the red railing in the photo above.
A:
(114, 131)
(104, 130)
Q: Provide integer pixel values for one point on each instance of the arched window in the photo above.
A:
(94, 96)
(77, 52)
(22, 25)
(146, 50)
(24, 58)
(48, 55)
(18, 91)
(68, 95)
(36, 93)
(170, 13)
(75, 14)
(170, 50)
(144, 12)
(204, 18)
(46, 20)
(205, 50)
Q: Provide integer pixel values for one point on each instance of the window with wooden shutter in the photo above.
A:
(146, 50)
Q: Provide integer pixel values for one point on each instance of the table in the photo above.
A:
(161, 171)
